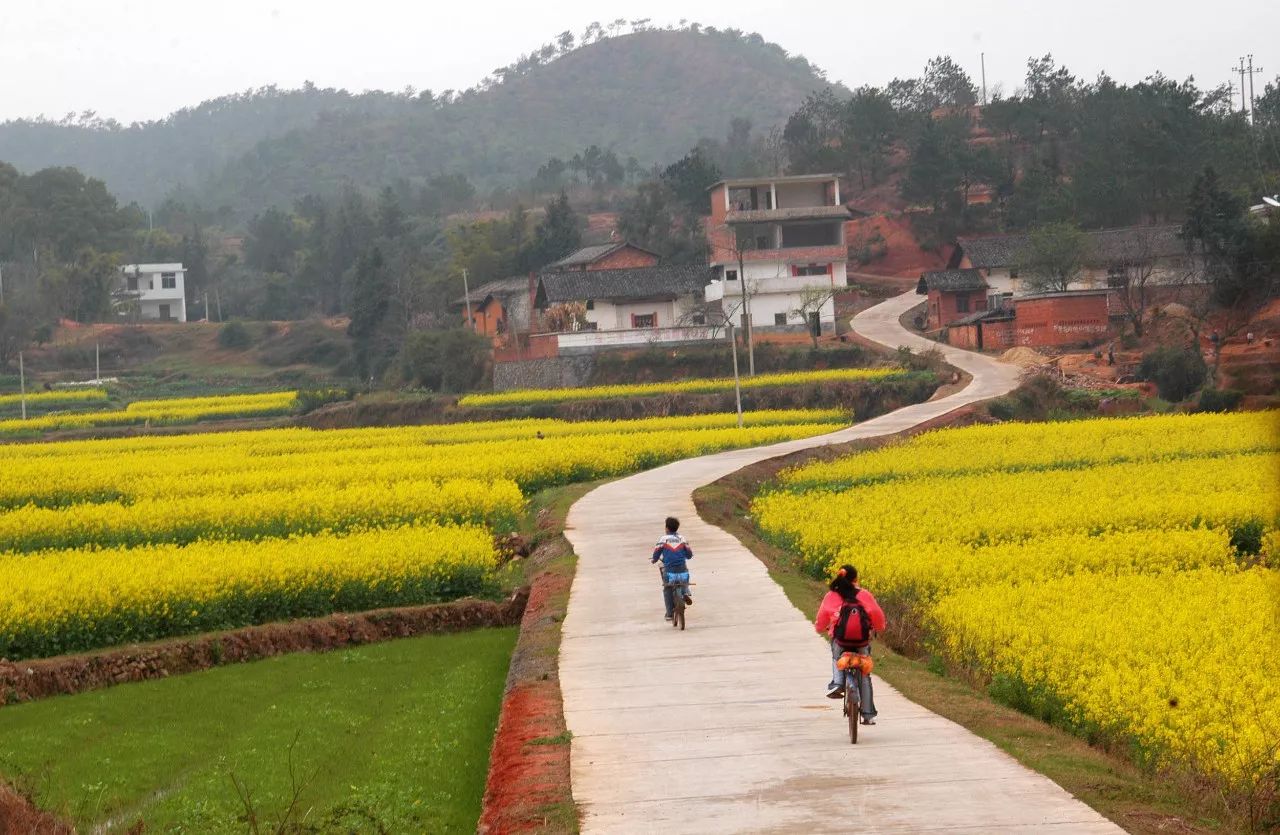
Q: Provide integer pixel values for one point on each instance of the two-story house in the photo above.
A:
(152, 291)
(778, 240)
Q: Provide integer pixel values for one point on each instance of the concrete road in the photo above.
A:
(725, 727)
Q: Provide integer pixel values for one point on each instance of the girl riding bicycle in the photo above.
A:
(854, 610)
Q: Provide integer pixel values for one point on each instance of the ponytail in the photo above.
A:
(845, 582)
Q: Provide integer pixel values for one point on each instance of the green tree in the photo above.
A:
(689, 178)
(657, 220)
(557, 234)
(272, 242)
(371, 291)
(870, 129)
(1054, 257)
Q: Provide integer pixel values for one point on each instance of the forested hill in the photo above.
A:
(649, 95)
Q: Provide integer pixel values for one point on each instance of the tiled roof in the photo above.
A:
(1110, 246)
(501, 288)
(799, 213)
(982, 316)
(590, 254)
(635, 283)
(951, 281)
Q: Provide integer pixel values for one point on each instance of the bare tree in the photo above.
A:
(812, 299)
(1136, 274)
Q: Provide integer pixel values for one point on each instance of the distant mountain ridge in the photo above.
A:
(649, 95)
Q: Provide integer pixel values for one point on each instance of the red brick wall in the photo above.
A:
(965, 336)
(625, 258)
(997, 335)
(943, 306)
(1061, 320)
(717, 205)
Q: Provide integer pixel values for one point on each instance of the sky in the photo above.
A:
(142, 59)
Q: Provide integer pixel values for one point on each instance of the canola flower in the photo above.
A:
(1099, 571)
(1186, 664)
(704, 386)
(135, 538)
(70, 600)
(134, 469)
(161, 412)
(55, 398)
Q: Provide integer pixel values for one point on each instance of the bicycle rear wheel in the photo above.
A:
(677, 614)
(852, 705)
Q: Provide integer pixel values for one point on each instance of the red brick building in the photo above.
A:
(953, 295)
(1053, 320)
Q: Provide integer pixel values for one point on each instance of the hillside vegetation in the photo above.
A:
(649, 95)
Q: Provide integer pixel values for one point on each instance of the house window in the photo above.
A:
(644, 320)
(962, 304)
(169, 281)
(730, 275)
(591, 326)
(132, 282)
(810, 269)
(699, 318)
(762, 242)
(779, 318)
(591, 304)
(1117, 276)
(1013, 274)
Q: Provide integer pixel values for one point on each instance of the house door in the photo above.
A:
(164, 311)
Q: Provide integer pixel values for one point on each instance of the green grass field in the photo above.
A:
(391, 737)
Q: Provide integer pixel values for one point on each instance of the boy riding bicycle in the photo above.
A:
(674, 552)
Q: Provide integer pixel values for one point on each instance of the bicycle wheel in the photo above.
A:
(852, 705)
(677, 614)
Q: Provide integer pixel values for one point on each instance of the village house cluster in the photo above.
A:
(778, 261)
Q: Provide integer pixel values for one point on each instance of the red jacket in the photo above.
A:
(829, 612)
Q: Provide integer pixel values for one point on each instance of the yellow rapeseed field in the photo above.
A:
(1119, 575)
(134, 538)
(54, 398)
(161, 412)
(706, 386)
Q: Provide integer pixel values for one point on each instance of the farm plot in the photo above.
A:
(1118, 577)
(156, 412)
(705, 386)
(104, 542)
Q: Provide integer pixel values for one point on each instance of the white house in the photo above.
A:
(636, 305)
(1115, 255)
(780, 238)
(153, 291)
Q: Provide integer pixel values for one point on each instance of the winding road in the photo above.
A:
(725, 727)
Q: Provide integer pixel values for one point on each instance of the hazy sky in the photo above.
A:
(141, 59)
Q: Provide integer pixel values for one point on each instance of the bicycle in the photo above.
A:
(678, 592)
(853, 666)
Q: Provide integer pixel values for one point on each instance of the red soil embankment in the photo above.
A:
(903, 255)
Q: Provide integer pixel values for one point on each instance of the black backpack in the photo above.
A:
(853, 629)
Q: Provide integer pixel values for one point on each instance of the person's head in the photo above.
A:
(673, 524)
(845, 581)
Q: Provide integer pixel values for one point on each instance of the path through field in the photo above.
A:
(725, 727)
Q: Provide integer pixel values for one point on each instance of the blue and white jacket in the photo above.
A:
(674, 552)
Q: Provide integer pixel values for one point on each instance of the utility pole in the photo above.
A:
(1252, 100)
(1244, 103)
(1, 285)
(984, 79)
(737, 382)
(22, 384)
(466, 297)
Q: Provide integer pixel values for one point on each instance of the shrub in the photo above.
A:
(447, 360)
(1246, 537)
(311, 399)
(1219, 400)
(1177, 372)
(235, 336)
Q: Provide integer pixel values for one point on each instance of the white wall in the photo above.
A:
(609, 316)
(801, 195)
